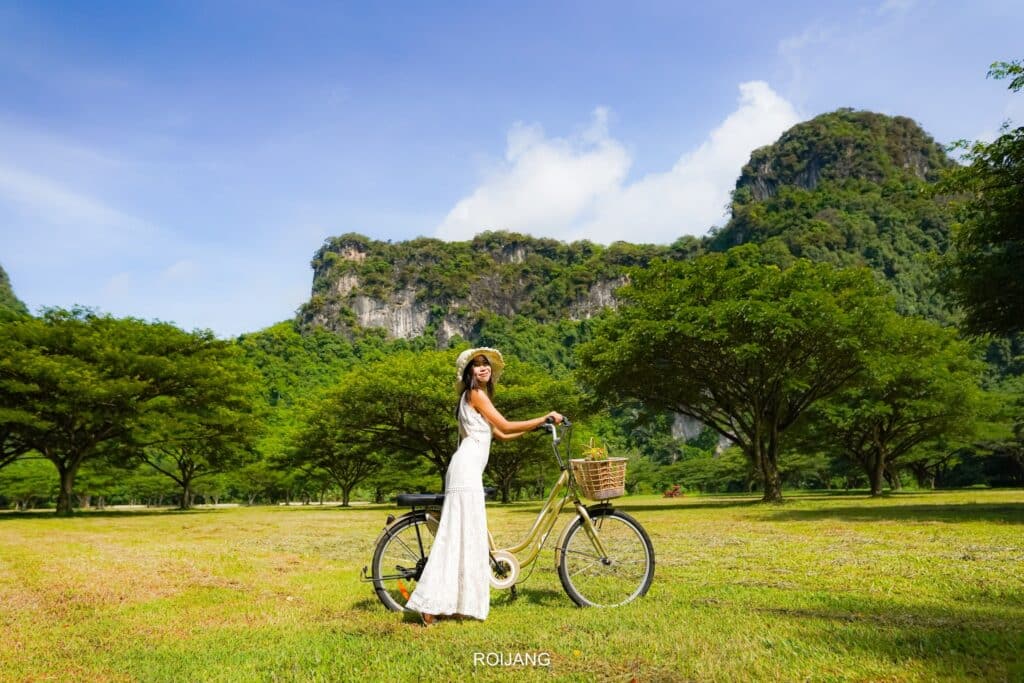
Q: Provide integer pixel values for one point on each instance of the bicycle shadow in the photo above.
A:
(368, 605)
(542, 597)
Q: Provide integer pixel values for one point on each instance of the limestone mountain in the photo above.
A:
(447, 289)
(848, 187)
(851, 188)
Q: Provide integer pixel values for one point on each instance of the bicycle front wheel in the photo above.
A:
(622, 576)
(399, 560)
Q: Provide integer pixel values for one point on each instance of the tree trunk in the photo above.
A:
(67, 485)
(893, 477)
(768, 457)
(346, 492)
(876, 475)
(186, 497)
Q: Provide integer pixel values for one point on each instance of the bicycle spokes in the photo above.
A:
(594, 579)
(399, 560)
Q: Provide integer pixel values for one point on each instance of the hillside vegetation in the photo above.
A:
(8, 301)
(849, 188)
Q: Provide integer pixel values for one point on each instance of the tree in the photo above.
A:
(919, 387)
(206, 428)
(324, 444)
(988, 259)
(743, 346)
(77, 386)
(403, 405)
(27, 482)
(12, 441)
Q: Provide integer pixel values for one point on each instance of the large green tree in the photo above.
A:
(206, 428)
(324, 447)
(77, 386)
(403, 406)
(921, 386)
(744, 346)
(988, 260)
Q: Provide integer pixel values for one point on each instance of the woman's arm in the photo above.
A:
(505, 436)
(509, 428)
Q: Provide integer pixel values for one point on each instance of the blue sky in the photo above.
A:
(183, 161)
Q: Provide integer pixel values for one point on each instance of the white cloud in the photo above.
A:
(545, 185)
(57, 203)
(575, 188)
(184, 270)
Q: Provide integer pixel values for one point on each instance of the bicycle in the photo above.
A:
(604, 557)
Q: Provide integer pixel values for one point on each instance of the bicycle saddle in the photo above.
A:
(406, 500)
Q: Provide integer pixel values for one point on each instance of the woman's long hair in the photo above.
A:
(470, 382)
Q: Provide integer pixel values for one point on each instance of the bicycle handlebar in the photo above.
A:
(549, 424)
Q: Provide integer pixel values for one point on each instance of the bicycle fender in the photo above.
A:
(393, 522)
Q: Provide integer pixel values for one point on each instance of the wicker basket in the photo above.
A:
(600, 479)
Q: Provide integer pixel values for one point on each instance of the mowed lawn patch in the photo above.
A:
(909, 587)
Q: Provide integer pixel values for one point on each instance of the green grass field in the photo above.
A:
(910, 587)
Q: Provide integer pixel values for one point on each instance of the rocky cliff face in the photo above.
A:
(442, 289)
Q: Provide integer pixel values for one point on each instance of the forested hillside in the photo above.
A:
(850, 188)
(8, 301)
(847, 188)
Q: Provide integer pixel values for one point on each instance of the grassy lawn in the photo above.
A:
(910, 587)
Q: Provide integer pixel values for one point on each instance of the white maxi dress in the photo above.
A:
(456, 578)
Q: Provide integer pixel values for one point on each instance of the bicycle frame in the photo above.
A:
(563, 489)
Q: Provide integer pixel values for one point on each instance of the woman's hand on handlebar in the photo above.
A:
(555, 417)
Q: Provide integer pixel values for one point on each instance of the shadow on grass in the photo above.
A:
(10, 515)
(954, 641)
(1009, 513)
(370, 605)
(694, 505)
(544, 597)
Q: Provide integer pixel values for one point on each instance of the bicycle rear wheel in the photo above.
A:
(621, 577)
(399, 559)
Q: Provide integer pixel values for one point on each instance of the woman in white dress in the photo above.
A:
(456, 578)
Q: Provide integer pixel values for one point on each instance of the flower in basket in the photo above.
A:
(593, 452)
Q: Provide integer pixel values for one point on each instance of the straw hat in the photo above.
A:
(493, 356)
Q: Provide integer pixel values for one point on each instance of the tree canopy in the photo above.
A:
(744, 346)
(988, 260)
(75, 385)
(920, 385)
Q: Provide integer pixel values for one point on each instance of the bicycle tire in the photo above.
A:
(399, 558)
(626, 575)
